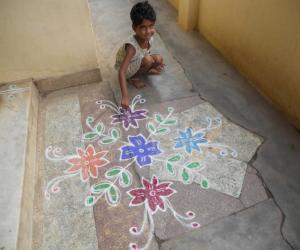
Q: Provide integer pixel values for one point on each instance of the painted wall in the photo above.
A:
(262, 39)
(45, 38)
(175, 3)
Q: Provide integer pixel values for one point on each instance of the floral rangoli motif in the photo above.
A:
(129, 118)
(87, 162)
(190, 141)
(154, 196)
(152, 193)
(143, 151)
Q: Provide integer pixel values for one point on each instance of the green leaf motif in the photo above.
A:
(89, 201)
(193, 165)
(185, 176)
(158, 118)
(106, 140)
(115, 133)
(162, 130)
(170, 122)
(204, 184)
(98, 188)
(89, 120)
(175, 158)
(125, 180)
(90, 136)
(151, 127)
(113, 195)
(112, 172)
(99, 128)
(169, 168)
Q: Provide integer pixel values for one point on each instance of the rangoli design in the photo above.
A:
(142, 151)
(11, 92)
(189, 141)
(154, 196)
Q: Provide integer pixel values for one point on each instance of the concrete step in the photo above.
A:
(18, 131)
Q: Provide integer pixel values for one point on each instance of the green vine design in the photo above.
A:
(163, 123)
(109, 188)
(97, 132)
(186, 171)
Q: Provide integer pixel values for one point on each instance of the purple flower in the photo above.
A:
(128, 117)
(141, 150)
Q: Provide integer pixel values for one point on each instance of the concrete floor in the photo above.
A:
(277, 160)
(252, 201)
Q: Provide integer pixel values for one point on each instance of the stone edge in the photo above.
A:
(59, 82)
(24, 235)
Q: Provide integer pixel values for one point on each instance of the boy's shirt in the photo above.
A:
(139, 52)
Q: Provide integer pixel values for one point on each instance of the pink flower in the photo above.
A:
(87, 162)
(152, 192)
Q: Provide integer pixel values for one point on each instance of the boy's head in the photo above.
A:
(143, 18)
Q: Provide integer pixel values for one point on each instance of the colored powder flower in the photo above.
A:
(190, 141)
(129, 118)
(87, 162)
(141, 150)
(153, 192)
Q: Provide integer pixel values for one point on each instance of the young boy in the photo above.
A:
(134, 57)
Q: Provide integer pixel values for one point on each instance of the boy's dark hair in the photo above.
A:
(141, 11)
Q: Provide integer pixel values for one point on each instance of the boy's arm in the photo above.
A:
(130, 51)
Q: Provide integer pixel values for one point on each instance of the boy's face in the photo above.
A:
(145, 30)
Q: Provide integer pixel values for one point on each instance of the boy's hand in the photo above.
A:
(160, 67)
(125, 102)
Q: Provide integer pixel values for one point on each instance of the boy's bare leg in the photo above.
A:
(146, 65)
(157, 66)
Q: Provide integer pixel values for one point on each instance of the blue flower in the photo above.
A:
(190, 141)
(141, 150)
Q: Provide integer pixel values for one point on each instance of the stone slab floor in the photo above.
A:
(200, 161)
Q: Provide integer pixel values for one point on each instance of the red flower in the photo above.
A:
(151, 192)
(87, 162)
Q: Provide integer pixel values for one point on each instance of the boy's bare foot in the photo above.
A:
(138, 83)
(154, 71)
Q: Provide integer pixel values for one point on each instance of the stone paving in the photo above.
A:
(237, 230)
(173, 173)
(61, 217)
